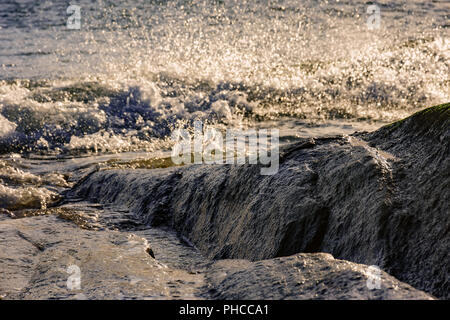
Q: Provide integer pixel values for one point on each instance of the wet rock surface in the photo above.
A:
(304, 276)
(377, 198)
(41, 258)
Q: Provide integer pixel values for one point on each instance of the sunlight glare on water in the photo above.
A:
(136, 69)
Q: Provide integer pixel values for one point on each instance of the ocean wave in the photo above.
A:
(135, 71)
(25, 197)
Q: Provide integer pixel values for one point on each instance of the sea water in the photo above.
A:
(87, 82)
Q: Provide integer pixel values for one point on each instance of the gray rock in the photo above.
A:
(40, 257)
(304, 276)
(378, 199)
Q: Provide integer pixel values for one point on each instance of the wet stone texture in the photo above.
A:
(36, 254)
(48, 253)
(376, 198)
(304, 276)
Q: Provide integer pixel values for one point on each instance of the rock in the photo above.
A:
(378, 198)
(47, 257)
(304, 276)
(42, 257)
(150, 252)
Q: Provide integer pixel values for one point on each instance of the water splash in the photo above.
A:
(137, 69)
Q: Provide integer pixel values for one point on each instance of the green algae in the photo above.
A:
(156, 163)
(436, 116)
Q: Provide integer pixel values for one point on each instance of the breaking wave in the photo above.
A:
(136, 70)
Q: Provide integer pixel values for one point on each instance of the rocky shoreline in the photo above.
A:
(117, 265)
(376, 198)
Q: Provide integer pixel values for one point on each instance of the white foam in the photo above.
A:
(6, 127)
(25, 197)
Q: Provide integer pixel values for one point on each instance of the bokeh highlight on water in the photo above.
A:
(136, 70)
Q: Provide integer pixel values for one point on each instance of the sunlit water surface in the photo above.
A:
(136, 70)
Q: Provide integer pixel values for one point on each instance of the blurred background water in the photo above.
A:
(137, 69)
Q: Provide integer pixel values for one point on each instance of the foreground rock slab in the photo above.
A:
(305, 276)
(41, 258)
